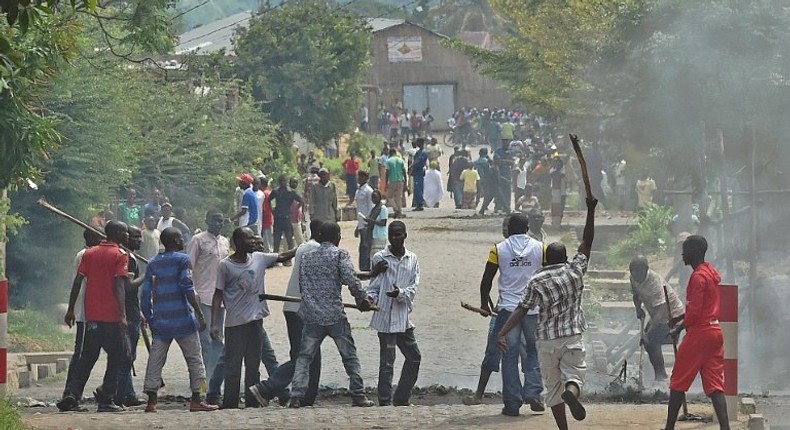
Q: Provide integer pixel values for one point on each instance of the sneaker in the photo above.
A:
(151, 407)
(213, 401)
(67, 403)
(296, 403)
(535, 405)
(109, 407)
(577, 410)
(419, 208)
(201, 406)
(472, 401)
(131, 402)
(362, 403)
(256, 392)
(283, 399)
(510, 412)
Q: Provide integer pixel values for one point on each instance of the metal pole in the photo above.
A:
(3, 306)
(725, 242)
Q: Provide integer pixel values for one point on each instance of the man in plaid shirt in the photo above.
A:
(557, 288)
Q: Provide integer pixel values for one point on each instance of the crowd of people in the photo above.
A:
(207, 292)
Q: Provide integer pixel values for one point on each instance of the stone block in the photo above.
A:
(23, 377)
(45, 370)
(758, 422)
(33, 371)
(12, 383)
(748, 406)
(62, 365)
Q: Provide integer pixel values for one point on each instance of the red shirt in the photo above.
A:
(268, 216)
(702, 296)
(100, 266)
(351, 166)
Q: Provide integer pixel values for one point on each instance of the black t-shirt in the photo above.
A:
(132, 300)
(281, 201)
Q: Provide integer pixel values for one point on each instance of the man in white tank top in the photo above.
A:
(516, 259)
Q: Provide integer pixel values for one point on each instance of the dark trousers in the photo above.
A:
(125, 385)
(491, 192)
(407, 344)
(458, 194)
(364, 252)
(657, 335)
(505, 191)
(351, 185)
(75, 358)
(98, 336)
(242, 342)
(279, 381)
(268, 358)
(283, 226)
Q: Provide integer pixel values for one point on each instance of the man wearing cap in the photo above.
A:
(323, 199)
(247, 215)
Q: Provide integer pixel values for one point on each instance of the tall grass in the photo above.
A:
(31, 330)
(9, 416)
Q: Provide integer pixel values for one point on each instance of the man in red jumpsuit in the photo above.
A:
(702, 350)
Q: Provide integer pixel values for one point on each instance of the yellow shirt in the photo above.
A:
(470, 178)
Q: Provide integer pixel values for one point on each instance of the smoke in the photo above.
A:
(689, 74)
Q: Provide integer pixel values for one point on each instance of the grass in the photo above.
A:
(9, 416)
(31, 330)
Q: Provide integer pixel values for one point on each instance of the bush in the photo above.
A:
(360, 144)
(9, 416)
(650, 237)
(34, 331)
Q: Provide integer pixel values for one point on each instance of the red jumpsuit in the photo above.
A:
(702, 349)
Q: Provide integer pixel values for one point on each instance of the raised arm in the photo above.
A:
(589, 228)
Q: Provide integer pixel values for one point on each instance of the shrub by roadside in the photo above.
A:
(9, 416)
(31, 330)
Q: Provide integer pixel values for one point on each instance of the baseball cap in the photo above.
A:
(245, 178)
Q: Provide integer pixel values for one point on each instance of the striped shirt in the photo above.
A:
(402, 273)
(167, 284)
(557, 289)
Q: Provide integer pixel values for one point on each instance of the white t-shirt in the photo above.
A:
(164, 223)
(241, 283)
(79, 305)
(260, 196)
(293, 282)
(518, 257)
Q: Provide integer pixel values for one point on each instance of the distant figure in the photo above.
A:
(351, 167)
(151, 245)
(129, 212)
(247, 216)
(323, 199)
(434, 190)
(644, 189)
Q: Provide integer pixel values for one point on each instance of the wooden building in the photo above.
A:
(411, 68)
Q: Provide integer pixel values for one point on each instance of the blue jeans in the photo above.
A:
(211, 349)
(125, 385)
(419, 187)
(278, 382)
(351, 185)
(458, 193)
(513, 392)
(312, 336)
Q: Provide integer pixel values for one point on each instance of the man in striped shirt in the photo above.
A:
(393, 291)
(170, 306)
(557, 288)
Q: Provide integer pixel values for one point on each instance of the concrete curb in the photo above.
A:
(27, 368)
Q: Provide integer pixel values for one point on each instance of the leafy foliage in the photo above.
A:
(304, 61)
(650, 236)
(9, 415)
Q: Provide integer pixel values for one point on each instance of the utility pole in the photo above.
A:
(3, 304)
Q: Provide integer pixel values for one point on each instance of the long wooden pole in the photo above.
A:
(582, 163)
(46, 205)
(279, 298)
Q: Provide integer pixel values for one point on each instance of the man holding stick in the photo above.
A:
(515, 259)
(557, 288)
(702, 349)
(106, 268)
(322, 273)
(126, 395)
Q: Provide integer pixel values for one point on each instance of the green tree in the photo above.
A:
(304, 61)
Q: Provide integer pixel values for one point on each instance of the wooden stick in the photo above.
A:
(278, 298)
(585, 176)
(44, 204)
(482, 312)
(674, 344)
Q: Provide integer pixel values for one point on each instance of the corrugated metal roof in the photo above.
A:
(378, 24)
(213, 36)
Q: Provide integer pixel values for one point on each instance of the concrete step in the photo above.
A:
(606, 274)
(613, 285)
